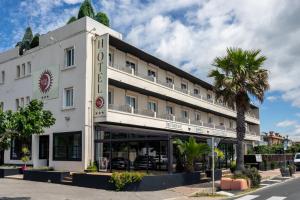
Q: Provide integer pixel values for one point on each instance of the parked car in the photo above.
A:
(297, 160)
(120, 163)
(141, 162)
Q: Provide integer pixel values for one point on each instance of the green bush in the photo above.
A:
(273, 164)
(233, 166)
(253, 175)
(122, 179)
(292, 169)
(92, 167)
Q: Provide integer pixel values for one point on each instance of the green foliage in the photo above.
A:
(41, 169)
(233, 166)
(72, 19)
(92, 167)
(25, 122)
(240, 175)
(102, 18)
(122, 179)
(273, 164)
(292, 169)
(253, 175)
(26, 155)
(191, 150)
(35, 41)
(86, 9)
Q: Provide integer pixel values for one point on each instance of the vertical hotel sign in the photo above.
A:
(45, 83)
(100, 72)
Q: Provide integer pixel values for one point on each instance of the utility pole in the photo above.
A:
(213, 164)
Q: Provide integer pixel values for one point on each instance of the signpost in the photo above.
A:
(213, 142)
(285, 146)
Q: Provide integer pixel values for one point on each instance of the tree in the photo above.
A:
(238, 76)
(102, 18)
(23, 123)
(72, 19)
(26, 41)
(35, 41)
(86, 9)
(26, 156)
(191, 150)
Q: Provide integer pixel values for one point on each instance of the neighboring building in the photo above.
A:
(111, 101)
(272, 138)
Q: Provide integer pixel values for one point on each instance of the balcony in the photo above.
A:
(179, 89)
(171, 118)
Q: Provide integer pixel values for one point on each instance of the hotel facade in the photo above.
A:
(113, 103)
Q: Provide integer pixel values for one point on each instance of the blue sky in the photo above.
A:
(189, 34)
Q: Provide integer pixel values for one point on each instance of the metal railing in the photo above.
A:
(171, 86)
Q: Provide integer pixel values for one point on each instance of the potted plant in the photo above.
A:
(218, 172)
(191, 150)
(285, 171)
(25, 158)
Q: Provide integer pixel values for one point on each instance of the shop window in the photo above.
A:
(67, 146)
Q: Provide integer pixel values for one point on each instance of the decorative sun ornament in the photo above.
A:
(45, 81)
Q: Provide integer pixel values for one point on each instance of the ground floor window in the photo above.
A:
(67, 146)
(16, 147)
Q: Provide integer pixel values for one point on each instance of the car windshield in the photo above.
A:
(297, 156)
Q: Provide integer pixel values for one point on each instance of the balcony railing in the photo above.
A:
(169, 117)
(171, 86)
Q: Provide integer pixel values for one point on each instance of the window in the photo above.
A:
(17, 104)
(67, 146)
(110, 57)
(169, 80)
(208, 96)
(22, 102)
(131, 65)
(152, 106)
(230, 124)
(1, 105)
(197, 116)
(151, 73)
(2, 77)
(16, 147)
(110, 97)
(27, 100)
(44, 147)
(131, 101)
(68, 99)
(169, 110)
(23, 70)
(69, 57)
(196, 91)
(28, 67)
(183, 86)
(18, 72)
(210, 120)
(184, 114)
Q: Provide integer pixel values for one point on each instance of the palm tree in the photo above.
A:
(238, 76)
(191, 150)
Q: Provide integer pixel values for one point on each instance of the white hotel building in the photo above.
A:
(111, 101)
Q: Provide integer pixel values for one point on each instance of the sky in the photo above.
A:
(190, 34)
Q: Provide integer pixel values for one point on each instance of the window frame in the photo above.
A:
(135, 101)
(149, 103)
(172, 110)
(68, 135)
(72, 61)
(65, 106)
(2, 77)
(18, 71)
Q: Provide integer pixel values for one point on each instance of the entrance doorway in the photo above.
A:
(44, 148)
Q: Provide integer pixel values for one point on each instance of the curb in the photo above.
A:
(262, 188)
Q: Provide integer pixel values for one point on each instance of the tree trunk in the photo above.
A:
(240, 131)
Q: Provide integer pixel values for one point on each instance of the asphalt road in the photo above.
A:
(289, 190)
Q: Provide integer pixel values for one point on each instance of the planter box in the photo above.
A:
(9, 171)
(45, 176)
(218, 174)
(226, 183)
(285, 172)
(148, 183)
(234, 184)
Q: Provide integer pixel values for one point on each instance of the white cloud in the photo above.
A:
(272, 98)
(286, 123)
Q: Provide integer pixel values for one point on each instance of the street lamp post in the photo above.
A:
(285, 146)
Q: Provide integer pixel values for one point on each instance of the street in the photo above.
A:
(287, 191)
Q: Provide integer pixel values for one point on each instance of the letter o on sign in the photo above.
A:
(99, 102)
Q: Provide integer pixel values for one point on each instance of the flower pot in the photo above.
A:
(239, 184)
(285, 172)
(226, 183)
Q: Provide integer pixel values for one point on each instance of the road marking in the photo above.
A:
(264, 184)
(276, 198)
(277, 181)
(248, 197)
